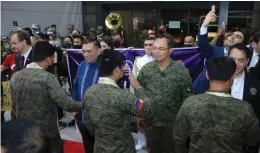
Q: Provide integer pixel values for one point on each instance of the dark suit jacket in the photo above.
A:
(252, 93)
(18, 59)
(201, 83)
(255, 71)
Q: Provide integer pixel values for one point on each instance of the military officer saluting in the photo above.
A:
(140, 33)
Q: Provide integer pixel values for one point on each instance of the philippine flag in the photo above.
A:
(139, 104)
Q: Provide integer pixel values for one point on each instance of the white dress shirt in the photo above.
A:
(225, 52)
(237, 89)
(138, 64)
(254, 59)
(203, 30)
(26, 54)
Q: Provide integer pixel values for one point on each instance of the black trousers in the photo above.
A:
(52, 144)
(88, 139)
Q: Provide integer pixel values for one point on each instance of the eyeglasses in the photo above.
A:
(160, 48)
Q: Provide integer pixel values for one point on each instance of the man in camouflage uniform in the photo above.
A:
(107, 107)
(168, 84)
(214, 121)
(34, 92)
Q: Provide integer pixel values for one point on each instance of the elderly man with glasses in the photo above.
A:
(168, 84)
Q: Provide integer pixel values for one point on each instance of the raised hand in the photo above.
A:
(210, 18)
(136, 22)
(135, 84)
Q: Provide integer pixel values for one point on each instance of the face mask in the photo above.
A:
(161, 32)
(73, 35)
(120, 83)
(67, 45)
(77, 46)
(117, 43)
(187, 45)
(50, 69)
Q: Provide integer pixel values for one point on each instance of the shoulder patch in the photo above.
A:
(139, 104)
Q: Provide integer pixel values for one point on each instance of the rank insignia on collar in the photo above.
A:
(253, 91)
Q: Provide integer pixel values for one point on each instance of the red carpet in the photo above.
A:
(73, 147)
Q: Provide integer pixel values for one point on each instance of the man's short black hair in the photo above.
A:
(170, 41)
(21, 136)
(29, 30)
(78, 37)
(42, 50)
(190, 35)
(71, 39)
(149, 38)
(94, 41)
(108, 60)
(53, 25)
(256, 37)
(221, 68)
(243, 48)
(118, 33)
(23, 35)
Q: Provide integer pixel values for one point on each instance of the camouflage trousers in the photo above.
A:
(159, 140)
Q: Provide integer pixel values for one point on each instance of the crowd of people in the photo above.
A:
(218, 112)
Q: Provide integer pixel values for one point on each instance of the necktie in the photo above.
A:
(22, 62)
